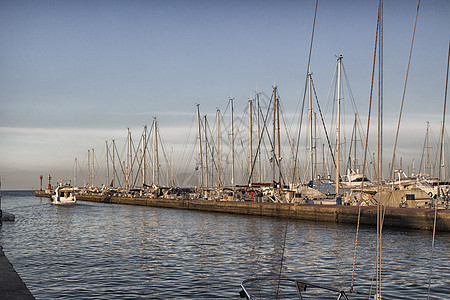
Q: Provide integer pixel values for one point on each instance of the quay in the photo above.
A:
(407, 218)
(11, 285)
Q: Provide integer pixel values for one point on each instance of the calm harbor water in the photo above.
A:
(104, 251)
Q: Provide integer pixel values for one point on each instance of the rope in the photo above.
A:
(404, 92)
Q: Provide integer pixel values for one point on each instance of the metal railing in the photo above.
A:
(274, 288)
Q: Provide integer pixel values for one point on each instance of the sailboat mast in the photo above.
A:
(273, 136)
(200, 145)
(206, 152)
(144, 150)
(107, 163)
(114, 163)
(259, 136)
(232, 142)
(250, 129)
(218, 148)
(315, 146)
(93, 166)
(75, 179)
(310, 129)
(428, 150)
(279, 143)
(128, 160)
(443, 158)
(171, 168)
(156, 152)
(354, 154)
(338, 137)
(89, 168)
(323, 161)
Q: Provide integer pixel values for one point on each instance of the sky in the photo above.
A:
(74, 74)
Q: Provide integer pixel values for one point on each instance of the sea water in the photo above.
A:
(109, 251)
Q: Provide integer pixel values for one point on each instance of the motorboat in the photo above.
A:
(64, 194)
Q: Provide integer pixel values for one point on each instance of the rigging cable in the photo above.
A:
(291, 146)
(323, 122)
(404, 92)
(295, 161)
(380, 153)
(260, 138)
(304, 93)
(440, 164)
(366, 147)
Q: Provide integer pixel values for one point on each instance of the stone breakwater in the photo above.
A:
(408, 218)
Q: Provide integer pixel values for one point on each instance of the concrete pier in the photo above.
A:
(11, 285)
(411, 218)
(408, 218)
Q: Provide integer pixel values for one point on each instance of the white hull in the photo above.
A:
(63, 200)
(64, 195)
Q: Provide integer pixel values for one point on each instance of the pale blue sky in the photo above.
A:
(76, 73)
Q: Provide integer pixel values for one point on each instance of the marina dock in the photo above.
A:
(408, 218)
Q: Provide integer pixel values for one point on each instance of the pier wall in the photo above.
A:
(411, 218)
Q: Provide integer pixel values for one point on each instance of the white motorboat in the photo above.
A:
(64, 194)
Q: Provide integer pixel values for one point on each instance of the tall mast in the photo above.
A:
(107, 163)
(428, 150)
(375, 168)
(232, 143)
(338, 139)
(323, 161)
(144, 150)
(128, 160)
(171, 168)
(156, 153)
(206, 153)
(200, 145)
(443, 158)
(114, 164)
(354, 152)
(315, 145)
(273, 136)
(259, 136)
(89, 168)
(218, 148)
(250, 129)
(93, 167)
(75, 179)
(310, 129)
(279, 142)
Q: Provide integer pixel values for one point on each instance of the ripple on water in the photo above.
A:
(103, 251)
